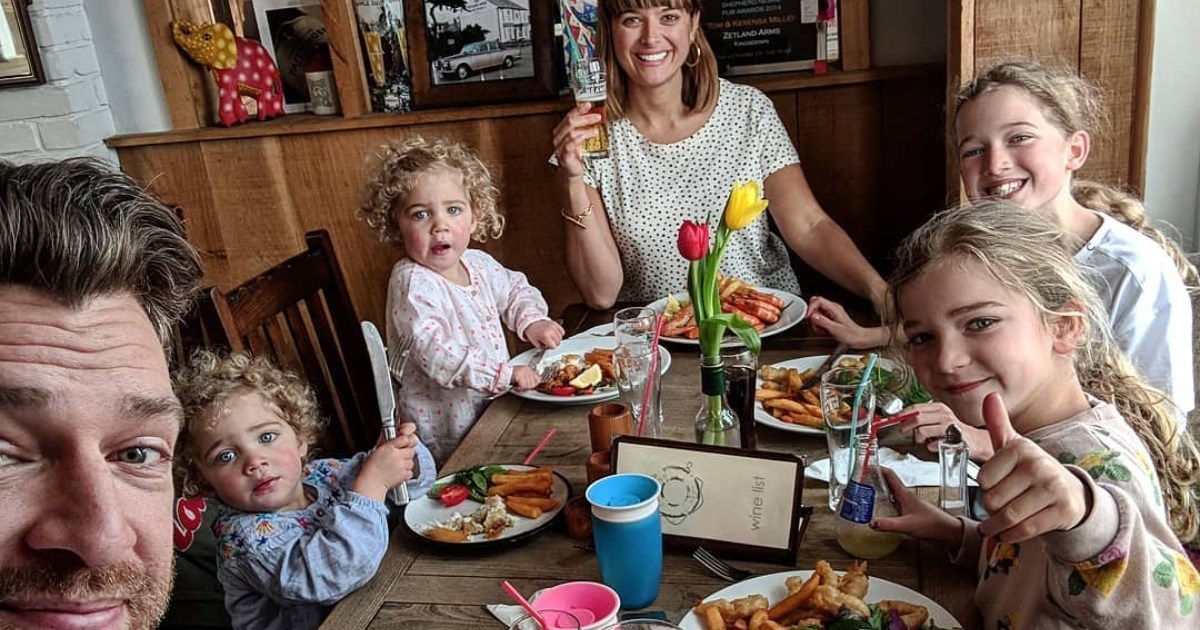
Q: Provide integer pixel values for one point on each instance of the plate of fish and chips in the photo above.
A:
(507, 504)
(822, 599)
(783, 405)
(771, 311)
(570, 359)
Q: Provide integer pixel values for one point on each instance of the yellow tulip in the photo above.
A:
(744, 205)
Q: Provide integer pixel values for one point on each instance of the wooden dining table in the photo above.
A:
(421, 587)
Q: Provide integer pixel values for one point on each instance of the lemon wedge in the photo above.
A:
(587, 378)
(672, 306)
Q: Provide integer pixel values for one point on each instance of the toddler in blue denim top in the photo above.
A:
(294, 535)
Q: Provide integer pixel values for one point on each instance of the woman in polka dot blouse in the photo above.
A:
(680, 137)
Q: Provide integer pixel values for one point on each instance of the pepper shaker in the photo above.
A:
(953, 457)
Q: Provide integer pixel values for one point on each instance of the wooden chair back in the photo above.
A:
(299, 313)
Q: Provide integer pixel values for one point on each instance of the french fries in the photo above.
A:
(813, 601)
(526, 492)
(782, 397)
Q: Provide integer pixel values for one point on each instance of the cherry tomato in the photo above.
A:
(564, 390)
(453, 494)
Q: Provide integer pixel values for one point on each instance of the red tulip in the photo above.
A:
(693, 240)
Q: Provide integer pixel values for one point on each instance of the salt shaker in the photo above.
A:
(953, 457)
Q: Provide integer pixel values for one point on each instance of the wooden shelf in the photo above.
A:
(310, 123)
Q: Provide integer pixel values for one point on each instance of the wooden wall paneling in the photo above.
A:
(1047, 31)
(1108, 56)
(854, 32)
(839, 152)
(960, 67)
(178, 174)
(349, 73)
(1139, 133)
(909, 155)
(256, 208)
(185, 84)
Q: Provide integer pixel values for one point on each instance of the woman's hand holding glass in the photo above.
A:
(578, 125)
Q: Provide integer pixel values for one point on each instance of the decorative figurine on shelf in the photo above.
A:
(241, 67)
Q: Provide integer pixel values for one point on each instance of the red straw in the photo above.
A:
(516, 595)
(658, 324)
(539, 446)
(882, 423)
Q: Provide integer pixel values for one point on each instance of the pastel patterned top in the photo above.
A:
(649, 189)
(459, 357)
(1121, 567)
(286, 570)
(1148, 306)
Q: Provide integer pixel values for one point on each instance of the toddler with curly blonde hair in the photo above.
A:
(294, 534)
(434, 196)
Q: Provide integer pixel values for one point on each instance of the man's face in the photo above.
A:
(88, 422)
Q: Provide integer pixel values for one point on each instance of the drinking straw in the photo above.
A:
(539, 446)
(658, 324)
(882, 423)
(513, 593)
(858, 394)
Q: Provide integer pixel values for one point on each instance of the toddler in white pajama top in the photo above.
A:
(434, 196)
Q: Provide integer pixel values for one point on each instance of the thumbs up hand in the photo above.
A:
(1026, 491)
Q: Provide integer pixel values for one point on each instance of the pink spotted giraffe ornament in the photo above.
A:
(240, 66)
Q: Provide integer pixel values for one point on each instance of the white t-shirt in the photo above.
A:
(1148, 307)
(649, 189)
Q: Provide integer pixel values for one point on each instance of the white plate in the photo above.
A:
(804, 363)
(578, 345)
(422, 512)
(774, 588)
(791, 315)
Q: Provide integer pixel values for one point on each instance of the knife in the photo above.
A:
(386, 399)
(825, 366)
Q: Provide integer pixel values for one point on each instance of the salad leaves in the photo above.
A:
(477, 479)
(901, 382)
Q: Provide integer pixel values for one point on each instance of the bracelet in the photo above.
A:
(577, 219)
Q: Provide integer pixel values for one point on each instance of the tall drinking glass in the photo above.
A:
(741, 371)
(838, 389)
(586, 67)
(634, 332)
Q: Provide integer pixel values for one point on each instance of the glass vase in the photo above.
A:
(716, 422)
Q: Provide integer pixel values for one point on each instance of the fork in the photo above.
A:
(398, 358)
(719, 567)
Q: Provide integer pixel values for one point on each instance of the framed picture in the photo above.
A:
(729, 500)
(292, 31)
(19, 60)
(480, 51)
(755, 36)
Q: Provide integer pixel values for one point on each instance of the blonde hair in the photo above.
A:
(1072, 103)
(701, 84)
(398, 165)
(211, 379)
(1028, 254)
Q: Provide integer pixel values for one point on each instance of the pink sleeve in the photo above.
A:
(520, 303)
(439, 348)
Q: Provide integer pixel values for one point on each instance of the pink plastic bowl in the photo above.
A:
(595, 604)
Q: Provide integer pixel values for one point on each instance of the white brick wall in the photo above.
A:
(68, 115)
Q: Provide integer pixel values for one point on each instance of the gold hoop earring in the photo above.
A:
(699, 55)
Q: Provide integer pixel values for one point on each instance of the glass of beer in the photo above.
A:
(588, 84)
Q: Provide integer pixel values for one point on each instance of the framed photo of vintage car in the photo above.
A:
(739, 502)
(493, 50)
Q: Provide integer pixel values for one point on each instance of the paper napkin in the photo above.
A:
(914, 472)
(509, 613)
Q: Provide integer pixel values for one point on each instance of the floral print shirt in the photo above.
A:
(1121, 567)
(286, 570)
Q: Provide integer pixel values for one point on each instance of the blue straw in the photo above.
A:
(862, 387)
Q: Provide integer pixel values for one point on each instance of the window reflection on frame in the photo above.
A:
(19, 60)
